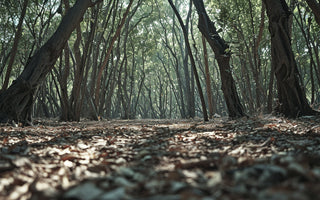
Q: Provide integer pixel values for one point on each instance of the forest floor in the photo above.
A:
(259, 158)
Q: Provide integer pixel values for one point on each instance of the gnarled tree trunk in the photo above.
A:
(291, 96)
(222, 54)
(17, 101)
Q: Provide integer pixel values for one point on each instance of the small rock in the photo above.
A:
(214, 179)
(86, 191)
(147, 157)
(297, 168)
(5, 165)
(121, 161)
(121, 181)
(83, 146)
(177, 186)
(126, 172)
(139, 177)
(143, 153)
(116, 194)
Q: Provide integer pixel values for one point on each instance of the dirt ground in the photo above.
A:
(257, 158)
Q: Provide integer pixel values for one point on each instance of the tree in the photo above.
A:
(222, 55)
(108, 53)
(15, 45)
(17, 101)
(315, 7)
(291, 96)
(208, 80)
(185, 34)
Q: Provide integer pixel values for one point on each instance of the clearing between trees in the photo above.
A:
(259, 158)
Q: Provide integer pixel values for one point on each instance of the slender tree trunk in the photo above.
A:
(256, 65)
(185, 34)
(208, 80)
(80, 75)
(108, 53)
(175, 93)
(64, 74)
(16, 102)
(305, 30)
(15, 45)
(179, 80)
(175, 63)
(270, 92)
(256, 54)
(222, 54)
(189, 90)
(291, 96)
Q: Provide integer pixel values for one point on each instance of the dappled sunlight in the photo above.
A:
(152, 100)
(160, 158)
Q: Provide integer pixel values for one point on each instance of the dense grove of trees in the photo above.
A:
(138, 58)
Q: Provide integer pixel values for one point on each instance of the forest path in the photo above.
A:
(262, 158)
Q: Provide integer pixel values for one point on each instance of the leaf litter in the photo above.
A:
(261, 158)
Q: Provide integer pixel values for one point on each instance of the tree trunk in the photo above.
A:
(189, 90)
(81, 69)
(17, 101)
(270, 92)
(315, 7)
(64, 73)
(208, 80)
(15, 45)
(291, 96)
(256, 64)
(108, 53)
(222, 54)
(195, 73)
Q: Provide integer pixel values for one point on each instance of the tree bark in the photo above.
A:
(208, 80)
(291, 95)
(15, 45)
(223, 55)
(17, 101)
(64, 73)
(315, 7)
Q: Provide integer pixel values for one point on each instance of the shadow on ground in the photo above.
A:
(261, 158)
